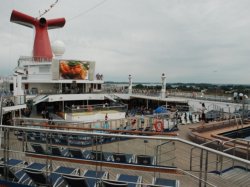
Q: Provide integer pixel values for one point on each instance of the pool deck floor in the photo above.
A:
(209, 133)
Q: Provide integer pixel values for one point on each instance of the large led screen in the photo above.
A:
(74, 69)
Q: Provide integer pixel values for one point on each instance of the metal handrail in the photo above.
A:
(248, 146)
(235, 141)
(159, 147)
(206, 143)
(190, 174)
(134, 136)
(215, 140)
(203, 171)
(228, 160)
(239, 117)
(225, 142)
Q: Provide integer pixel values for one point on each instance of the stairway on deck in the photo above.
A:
(238, 175)
(235, 177)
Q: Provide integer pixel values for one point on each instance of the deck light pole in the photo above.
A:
(229, 113)
(163, 85)
(130, 84)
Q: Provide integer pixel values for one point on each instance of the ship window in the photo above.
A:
(34, 90)
(43, 69)
(99, 86)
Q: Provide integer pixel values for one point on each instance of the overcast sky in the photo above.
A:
(188, 40)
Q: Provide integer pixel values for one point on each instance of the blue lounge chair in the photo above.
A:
(110, 183)
(131, 180)
(122, 157)
(76, 153)
(38, 148)
(99, 155)
(23, 178)
(165, 182)
(56, 176)
(60, 139)
(90, 178)
(54, 179)
(56, 151)
(6, 171)
(12, 162)
(73, 181)
(20, 176)
(93, 177)
(6, 168)
(37, 177)
(145, 160)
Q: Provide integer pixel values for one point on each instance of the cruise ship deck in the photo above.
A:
(173, 158)
(106, 148)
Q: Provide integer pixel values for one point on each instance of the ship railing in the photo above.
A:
(7, 101)
(194, 177)
(237, 147)
(36, 91)
(248, 147)
(206, 97)
(232, 149)
(216, 144)
(128, 143)
(146, 92)
(97, 107)
(165, 153)
(114, 91)
(24, 59)
(237, 118)
(110, 124)
(153, 94)
(228, 149)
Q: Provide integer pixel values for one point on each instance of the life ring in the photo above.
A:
(158, 125)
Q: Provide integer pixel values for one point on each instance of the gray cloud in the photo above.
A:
(191, 41)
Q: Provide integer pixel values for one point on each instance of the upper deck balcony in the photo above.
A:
(26, 60)
(45, 71)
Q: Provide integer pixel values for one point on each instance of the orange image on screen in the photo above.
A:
(73, 70)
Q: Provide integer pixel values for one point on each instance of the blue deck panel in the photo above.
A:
(92, 176)
(132, 180)
(166, 182)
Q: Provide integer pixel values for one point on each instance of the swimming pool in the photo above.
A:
(241, 133)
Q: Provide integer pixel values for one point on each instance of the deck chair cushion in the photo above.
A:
(11, 175)
(92, 176)
(132, 180)
(108, 183)
(56, 151)
(21, 176)
(97, 155)
(14, 162)
(165, 182)
(76, 153)
(120, 157)
(144, 159)
(75, 181)
(9, 164)
(37, 177)
(38, 148)
(55, 178)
